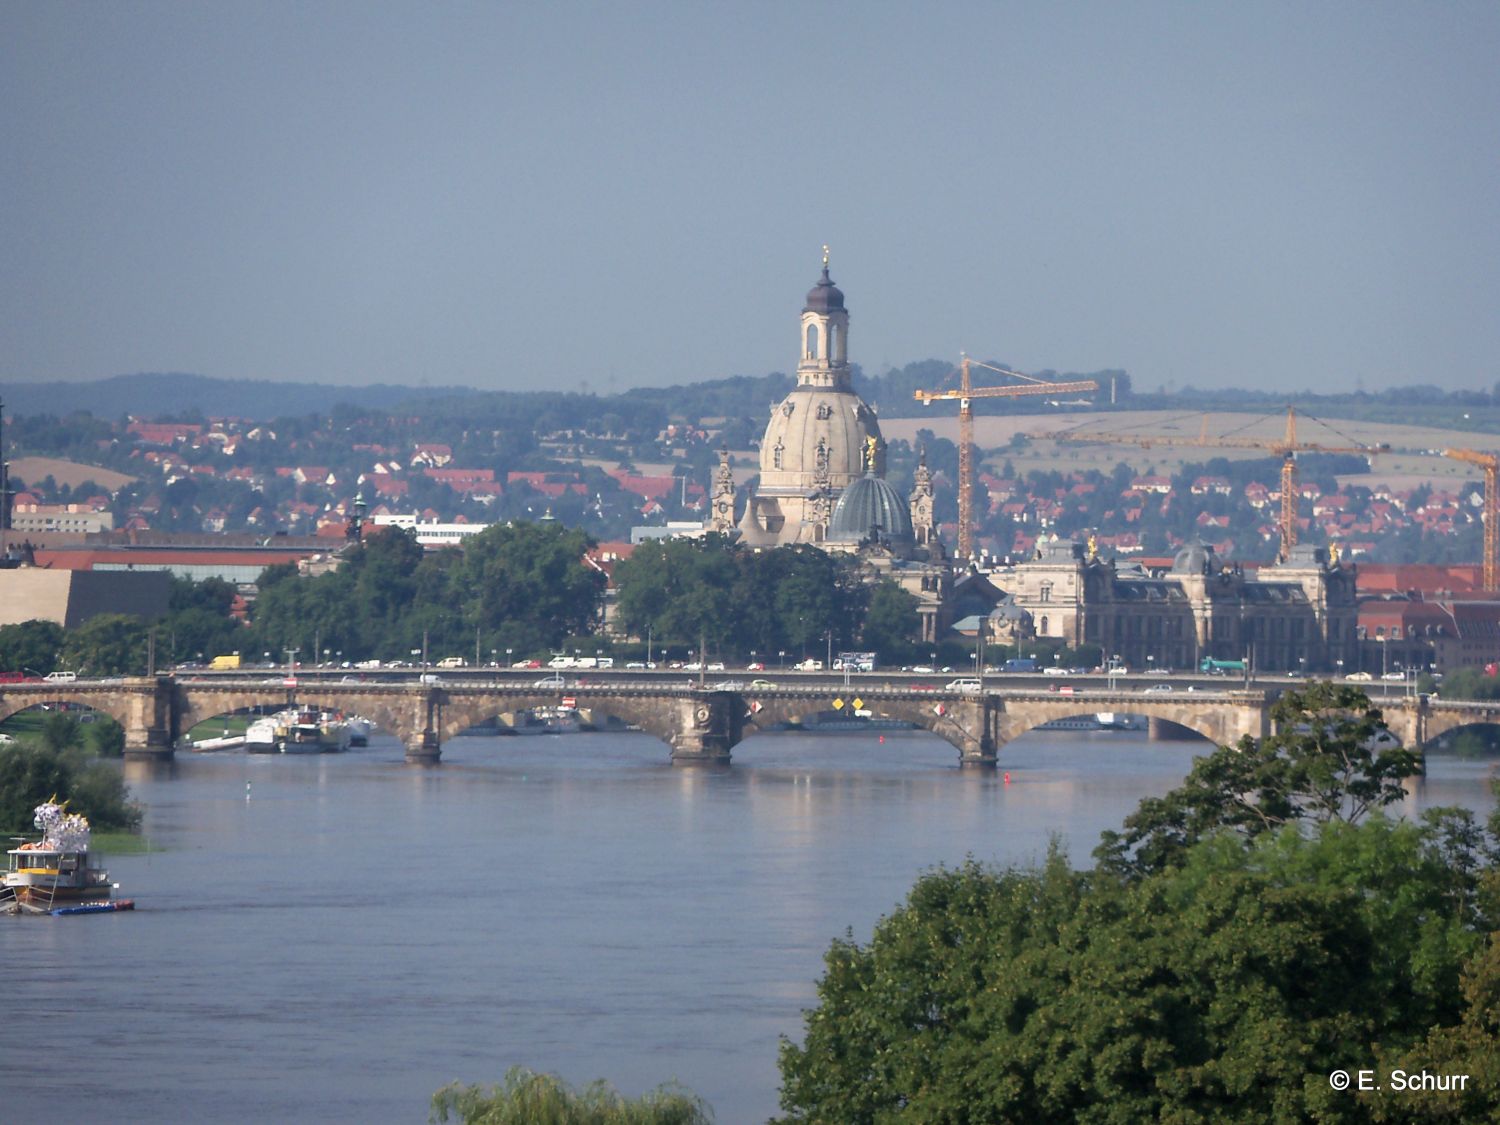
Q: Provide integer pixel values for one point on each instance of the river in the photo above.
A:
(331, 939)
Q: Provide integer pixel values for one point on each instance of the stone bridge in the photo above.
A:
(698, 724)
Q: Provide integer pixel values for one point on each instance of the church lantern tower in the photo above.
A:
(825, 335)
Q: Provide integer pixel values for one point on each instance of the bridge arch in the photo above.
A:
(13, 703)
(1221, 718)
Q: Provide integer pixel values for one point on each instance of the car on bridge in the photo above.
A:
(1359, 677)
(761, 685)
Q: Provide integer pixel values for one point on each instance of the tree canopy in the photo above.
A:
(528, 1098)
(797, 599)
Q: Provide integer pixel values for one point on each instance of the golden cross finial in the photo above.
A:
(825, 255)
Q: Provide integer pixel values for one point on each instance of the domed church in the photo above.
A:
(822, 447)
(822, 473)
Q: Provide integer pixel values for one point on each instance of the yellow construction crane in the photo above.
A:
(1489, 463)
(965, 394)
(1287, 446)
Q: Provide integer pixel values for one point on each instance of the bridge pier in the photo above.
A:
(152, 745)
(424, 746)
(424, 749)
(149, 718)
(707, 726)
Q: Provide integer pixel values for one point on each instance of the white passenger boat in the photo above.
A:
(299, 730)
(260, 736)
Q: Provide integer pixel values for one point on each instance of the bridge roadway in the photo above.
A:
(701, 723)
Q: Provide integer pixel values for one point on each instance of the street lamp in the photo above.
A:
(507, 656)
(782, 655)
(1339, 664)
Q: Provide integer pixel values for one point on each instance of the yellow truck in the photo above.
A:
(225, 663)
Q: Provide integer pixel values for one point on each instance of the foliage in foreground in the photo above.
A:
(528, 1098)
(35, 771)
(1255, 930)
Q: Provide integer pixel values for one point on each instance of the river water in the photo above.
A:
(331, 939)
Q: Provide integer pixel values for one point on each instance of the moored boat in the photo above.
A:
(547, 720)
(55, 871)
(260, 736)
(307, 730)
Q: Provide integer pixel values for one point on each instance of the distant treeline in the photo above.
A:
(741, 401)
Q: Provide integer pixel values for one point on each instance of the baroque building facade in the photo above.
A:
(1297, 616)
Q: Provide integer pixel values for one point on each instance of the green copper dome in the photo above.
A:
(867, 506)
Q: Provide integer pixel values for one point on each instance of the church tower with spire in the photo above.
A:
(815, 442)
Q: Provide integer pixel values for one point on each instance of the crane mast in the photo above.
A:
(1491, 466)
(965, 394)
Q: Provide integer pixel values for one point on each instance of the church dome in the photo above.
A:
(1194, 558)
(837, 418)
(870, 505)
(1009, 612)
(825, 296)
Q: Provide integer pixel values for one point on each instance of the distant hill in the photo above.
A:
(70, 473)
(154, 394)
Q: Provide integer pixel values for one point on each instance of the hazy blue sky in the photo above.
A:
(1279, 195)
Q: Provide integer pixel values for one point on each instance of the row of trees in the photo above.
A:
(792, 599)
(521, 589)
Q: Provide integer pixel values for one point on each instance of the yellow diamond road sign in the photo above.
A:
(859, 704)
(838, 704)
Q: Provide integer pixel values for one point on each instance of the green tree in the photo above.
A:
(679, 588)
(890, 621)
(1053, 995)
(105, 738)
(525, 584)
(30, 646)
(31, 773)
(1257, 928)
(528, 1098)
(60, 731)
(109, 644)
(198, 620)
(1329, 759)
